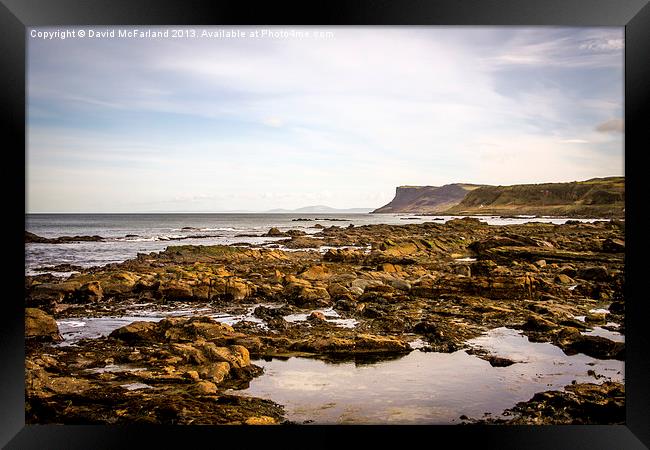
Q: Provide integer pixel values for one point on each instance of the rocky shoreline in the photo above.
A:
(441, 283)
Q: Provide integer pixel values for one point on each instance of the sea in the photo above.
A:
(126, 235)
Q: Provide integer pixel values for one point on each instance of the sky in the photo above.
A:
(341, 118)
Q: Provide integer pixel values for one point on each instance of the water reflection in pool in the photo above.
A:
(424, 388)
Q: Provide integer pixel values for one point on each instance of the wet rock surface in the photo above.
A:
(173, 372)
(578, 404)
(442, 283)
(35, 239)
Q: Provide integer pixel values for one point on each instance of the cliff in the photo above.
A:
(426, 199)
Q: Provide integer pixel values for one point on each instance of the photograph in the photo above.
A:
(325, 225)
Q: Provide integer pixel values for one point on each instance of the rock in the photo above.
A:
(594, 346)
(192, 329)
(617, 307)
(59, 292)
(500, 241)
(316, 316)
(314, 273)
(593, 273)
(495, 361)
(595, 318)
(399, 284)
(192, 375)
(215, 372)
(614, 245)
(344, 255)
(303, 294)
(368, 342)
(261, 420)
(564, 279)
(295, 233)
(147, 283)
(31, 238)
(40, 326)
(538, 323)
(176, 290)
(243, 356)
(461, 269)
(362, 284)
(238, 289)
(121, 283)
(345, 304)
(337, 290)
(568, 270)
(577, 404)
(540, 263)
(205, 388)
(398, 249)
(265, 312)
(137, 332)
(274, 232)
(483, 268)
(236, 356)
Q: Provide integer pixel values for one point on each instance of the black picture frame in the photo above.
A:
(17, 15)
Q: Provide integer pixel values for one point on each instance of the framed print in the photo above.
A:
(350, 217)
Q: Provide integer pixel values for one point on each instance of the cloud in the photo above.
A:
(273, 121)
(574, 141)
(600, 45)
(611, 126)
(561, 48)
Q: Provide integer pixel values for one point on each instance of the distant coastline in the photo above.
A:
(596, 197)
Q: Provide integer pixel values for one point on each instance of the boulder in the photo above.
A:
(137, 332)
(274, 232)
(204, 388)
(538, 323)
(316, 273)
(564, 279)
(40, 326)
(594, 346)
